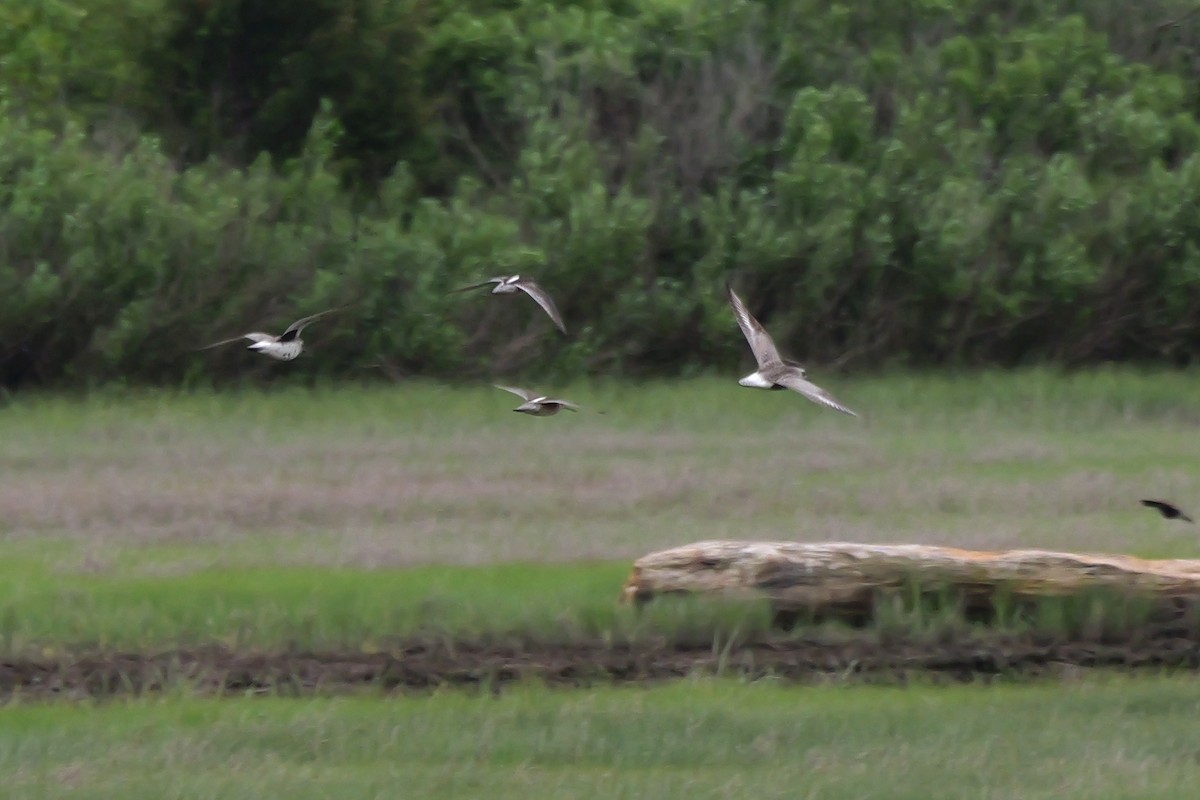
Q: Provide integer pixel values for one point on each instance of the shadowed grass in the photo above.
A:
(698, 739)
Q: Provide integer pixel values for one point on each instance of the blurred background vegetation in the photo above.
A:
(888, 182)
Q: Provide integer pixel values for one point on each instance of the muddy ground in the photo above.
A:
(419, 665)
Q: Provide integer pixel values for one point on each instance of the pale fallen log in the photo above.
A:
(847, 578)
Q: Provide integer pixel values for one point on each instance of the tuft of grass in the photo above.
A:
(309, 608)
(1090, 615)
(306, 608)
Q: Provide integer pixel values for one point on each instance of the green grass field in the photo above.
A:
(326, 516)
(696, 739)
(345, 518)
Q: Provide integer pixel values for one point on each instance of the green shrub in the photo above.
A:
(926, 182)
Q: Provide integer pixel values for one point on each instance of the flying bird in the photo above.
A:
(284, 347)
(1168, 510)
(773, 371)
(510, 284)
(538, 405)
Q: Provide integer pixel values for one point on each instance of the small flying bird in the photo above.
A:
(1167, 510)
(774, 372)
(510, 284)
(538, 405)
(284, 347)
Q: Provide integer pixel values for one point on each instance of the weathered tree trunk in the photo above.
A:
(845, 579)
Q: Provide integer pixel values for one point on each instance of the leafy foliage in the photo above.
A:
(960, 181)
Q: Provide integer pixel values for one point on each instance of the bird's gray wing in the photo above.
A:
(761, 343)
(300, 324)
(532, 289)
(564, 403)
(524, 394)
(254, 337)
(488, 282)
(798, 383)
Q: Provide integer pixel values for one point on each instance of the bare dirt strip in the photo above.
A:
(423, 665)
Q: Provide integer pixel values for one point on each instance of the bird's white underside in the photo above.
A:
(283, 351)
(755, 380)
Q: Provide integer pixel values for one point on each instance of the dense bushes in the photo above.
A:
(951, 181)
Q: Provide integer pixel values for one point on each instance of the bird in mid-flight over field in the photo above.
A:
(284, 347)
(511, 283)
(538, 405)
(773, 371)
(1167, 510)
